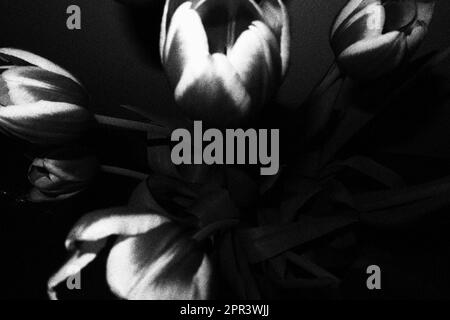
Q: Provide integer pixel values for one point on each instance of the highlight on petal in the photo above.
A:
(153, 258)
(80, 259)
(32, 84)
(89, 237)
(170, 7)
(101, 224)
(213, 91)
(365, 23)
(186, 42)
(90, 233)
(252, 57)
(277, 18)
(164, 264)
(45, 122)
(351, 7)
(371, 58)
(39, 101)
(37, 61)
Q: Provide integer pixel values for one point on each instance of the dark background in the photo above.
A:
(116, 56)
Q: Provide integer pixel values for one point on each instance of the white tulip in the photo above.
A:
(372, 37)
(39, 101)
(224, 58)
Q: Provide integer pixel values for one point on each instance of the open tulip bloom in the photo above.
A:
(224, 58)
(39, 101)
(153, 257)
(372, 37)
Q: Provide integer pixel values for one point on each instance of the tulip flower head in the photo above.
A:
(153, 257)
(224, 58)
(372, 37)
(39, 101)
(55, 178)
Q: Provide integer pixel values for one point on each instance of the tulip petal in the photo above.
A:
(169, 8)
(163, 264)
(373, 57)
(399, 14)
(32, 84)
(101, 224)
(254, 58)
(225, 20)
(213, 92)
(37, 61)
(277, 19)
(90, 233)
(45, 122)
(415, 38)
(219, 23)
(425, 10)
(365, 23)
(206, 87)
(350, 8)
(37, 196)
(80, 259)
(186, 41)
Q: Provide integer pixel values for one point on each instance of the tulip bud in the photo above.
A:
(372, 37)
(56, 177)
(39, 101)
(224, 58)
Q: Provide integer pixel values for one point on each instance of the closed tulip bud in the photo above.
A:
(372, 37)
(56, 177)
(224, 58)
(40, 102)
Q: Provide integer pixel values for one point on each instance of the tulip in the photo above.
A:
(224, 58)
(39, 101)
(54, 178)
(373, 37)
(152, 259)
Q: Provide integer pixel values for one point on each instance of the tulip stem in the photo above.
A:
(163, 122)
(310, 267)
(124, 172)
(124, 124)
(320, 114)
(332, 75)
